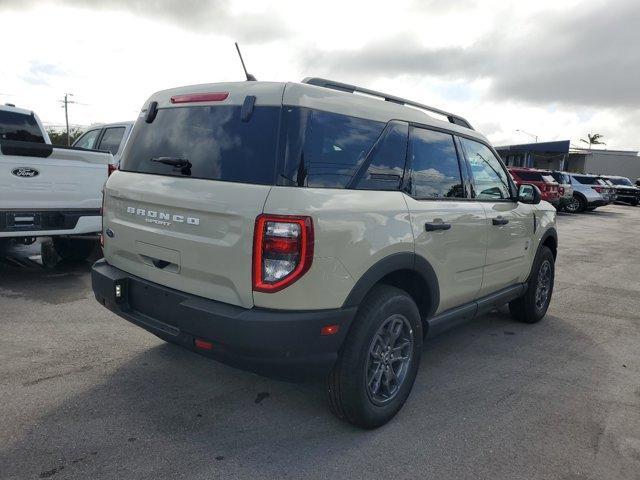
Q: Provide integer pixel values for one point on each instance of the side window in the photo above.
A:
(385, 164)
(325, 149)
(435, 170)
(88, 139)
(110, 141)
(489, 177)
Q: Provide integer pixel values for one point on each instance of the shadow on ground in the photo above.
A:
(165, 411)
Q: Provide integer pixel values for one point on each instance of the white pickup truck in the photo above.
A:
(47, 190)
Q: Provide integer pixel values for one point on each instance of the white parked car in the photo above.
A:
(47, 190)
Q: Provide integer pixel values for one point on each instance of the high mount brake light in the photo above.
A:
(200, 97)
(282, 251)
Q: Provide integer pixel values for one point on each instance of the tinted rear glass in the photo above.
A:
(18, 126)
(586, 180)
(528, 176)
(214, 140)
(325, 149)
(561, 177)
(621, 181)
(385, 163)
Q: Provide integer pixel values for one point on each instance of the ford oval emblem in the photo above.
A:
(25, 172)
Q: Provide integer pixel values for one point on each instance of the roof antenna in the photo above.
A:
(250, 78)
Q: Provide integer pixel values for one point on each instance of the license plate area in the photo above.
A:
(23, 220)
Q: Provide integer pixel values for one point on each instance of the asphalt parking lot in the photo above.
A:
(84, 394)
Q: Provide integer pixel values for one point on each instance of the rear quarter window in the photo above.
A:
(324, 149)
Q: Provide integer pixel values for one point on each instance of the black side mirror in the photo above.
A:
(528, 193)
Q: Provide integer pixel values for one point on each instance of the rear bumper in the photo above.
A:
(280, 343)
(40, 223)
(597, 203)
(626, 197)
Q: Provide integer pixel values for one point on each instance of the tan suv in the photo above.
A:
(305, 229)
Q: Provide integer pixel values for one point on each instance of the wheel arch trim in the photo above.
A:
(390, 264)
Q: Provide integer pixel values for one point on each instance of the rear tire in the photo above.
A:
(576, 205)
(533, 305)
(379, 360)
(72, 249)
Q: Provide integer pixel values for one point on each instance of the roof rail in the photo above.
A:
(345, 87)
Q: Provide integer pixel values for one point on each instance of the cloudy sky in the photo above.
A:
(557, 69)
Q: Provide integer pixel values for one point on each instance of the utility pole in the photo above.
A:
(65, 102)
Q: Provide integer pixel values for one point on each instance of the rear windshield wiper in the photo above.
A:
(173, 161)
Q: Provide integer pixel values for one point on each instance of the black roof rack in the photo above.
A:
(345, 87)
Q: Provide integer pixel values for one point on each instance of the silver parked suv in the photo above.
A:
(309, 228)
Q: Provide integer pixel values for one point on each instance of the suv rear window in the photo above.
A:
(528, 176)
(621, 181)
(214, 140)
(21, 127)
(586, 180)
(561, 177)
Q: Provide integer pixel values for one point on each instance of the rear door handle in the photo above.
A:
(500, 221)
(433, 226)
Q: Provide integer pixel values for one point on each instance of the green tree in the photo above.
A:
(593, 139)
(59, 137)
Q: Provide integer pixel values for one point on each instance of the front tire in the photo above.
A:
(379, 360)
(533, 305)
(73, 249)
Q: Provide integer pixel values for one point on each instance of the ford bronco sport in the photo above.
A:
(311, 229)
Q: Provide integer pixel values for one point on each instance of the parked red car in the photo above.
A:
(542, 179)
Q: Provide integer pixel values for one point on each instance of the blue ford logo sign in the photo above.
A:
(25, 172)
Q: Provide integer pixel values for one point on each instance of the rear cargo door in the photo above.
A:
(192, 235)
(37, 176)
(183, 206)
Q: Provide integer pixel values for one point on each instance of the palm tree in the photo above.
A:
(593, 139)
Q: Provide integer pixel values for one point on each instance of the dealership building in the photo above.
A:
(559, 155)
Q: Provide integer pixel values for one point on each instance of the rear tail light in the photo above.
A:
(282, 251)
(597, 189)
(202, 344)
(111, 168)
